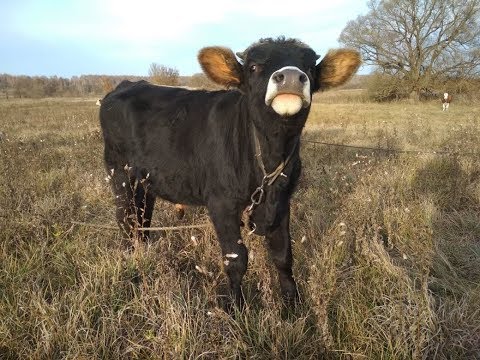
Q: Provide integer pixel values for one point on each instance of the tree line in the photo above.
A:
(378, 86)
(23, 86)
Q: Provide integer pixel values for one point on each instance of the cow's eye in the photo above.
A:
(253, 67)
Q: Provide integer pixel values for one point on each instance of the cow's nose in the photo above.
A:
(289, 76)
(291, 81)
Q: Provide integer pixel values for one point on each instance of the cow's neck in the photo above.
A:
(276, 141)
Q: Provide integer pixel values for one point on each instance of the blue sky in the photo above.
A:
(123, 37)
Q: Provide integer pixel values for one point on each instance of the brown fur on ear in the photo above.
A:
(336, 68)
(220, 65)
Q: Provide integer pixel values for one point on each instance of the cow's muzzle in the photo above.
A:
(288, 91)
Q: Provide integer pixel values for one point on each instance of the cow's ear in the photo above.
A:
(221, 66)
(336, 68)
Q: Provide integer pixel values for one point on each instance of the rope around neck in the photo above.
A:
(268, 179)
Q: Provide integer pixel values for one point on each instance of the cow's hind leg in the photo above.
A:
(224, 215)
(280, 248)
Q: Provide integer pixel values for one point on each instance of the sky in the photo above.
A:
(123, 37)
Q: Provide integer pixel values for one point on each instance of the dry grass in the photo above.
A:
(387, 247)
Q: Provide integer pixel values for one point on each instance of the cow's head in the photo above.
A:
(280, 74)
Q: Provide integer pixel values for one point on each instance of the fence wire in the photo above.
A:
(399, 151)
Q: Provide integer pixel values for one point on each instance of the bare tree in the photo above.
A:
(419, 41)
(163, 75)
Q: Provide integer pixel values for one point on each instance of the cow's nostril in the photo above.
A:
(303, 78)
(278, 78)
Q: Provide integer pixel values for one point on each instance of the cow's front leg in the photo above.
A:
(225, 217)
(280, 247)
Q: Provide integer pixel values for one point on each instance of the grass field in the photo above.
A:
(387, 246)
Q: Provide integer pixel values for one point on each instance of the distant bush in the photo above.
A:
(382, 87)
(201, 81)
(107, 84)
(163, 75)
(467, 90)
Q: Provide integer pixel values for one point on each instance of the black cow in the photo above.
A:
(226, 150)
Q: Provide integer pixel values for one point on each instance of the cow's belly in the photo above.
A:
(184, 189)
